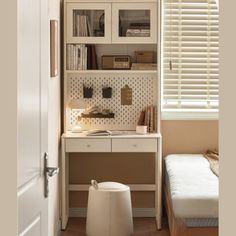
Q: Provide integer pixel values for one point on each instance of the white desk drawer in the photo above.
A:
(134, 145)
(88, 145)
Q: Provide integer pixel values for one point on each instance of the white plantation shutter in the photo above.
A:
(190, 55)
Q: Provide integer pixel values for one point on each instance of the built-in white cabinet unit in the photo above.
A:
(111, 22)
(134, 22)
(123, 30)
(88, 22)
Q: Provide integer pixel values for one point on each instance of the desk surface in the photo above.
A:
(126, 134)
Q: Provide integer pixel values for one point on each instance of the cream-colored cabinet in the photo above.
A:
(111, 22)
(88, 22)
(134, 22)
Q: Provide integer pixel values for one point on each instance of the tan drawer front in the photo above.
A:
(134, 145)
(88, 145)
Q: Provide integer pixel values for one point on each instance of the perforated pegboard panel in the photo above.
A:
(126, 116)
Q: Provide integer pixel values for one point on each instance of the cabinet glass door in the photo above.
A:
(134, 22)
(88, 23)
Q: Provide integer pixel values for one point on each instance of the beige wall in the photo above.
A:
(125, 168)
(178, 137)
(189, 136)
(54, 135)
(227, 117)
(8, 118)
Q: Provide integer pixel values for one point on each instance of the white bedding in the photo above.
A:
(194, 188)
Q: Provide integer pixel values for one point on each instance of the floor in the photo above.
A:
(142, 227)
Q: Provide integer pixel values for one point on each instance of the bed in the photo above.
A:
(191, 195)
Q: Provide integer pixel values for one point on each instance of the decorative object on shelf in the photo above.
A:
(144, 56)
(106, 92)
(116, 62)
(141, 129)
(93, 110)
(126, 95)
(97, 112)
(87, 92)
(100, 31)
(54, 48)
(80, 106)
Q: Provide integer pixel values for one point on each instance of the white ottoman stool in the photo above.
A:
(109, 210)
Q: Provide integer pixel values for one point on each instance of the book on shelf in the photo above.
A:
(94, 63)
(81, 57)
(138, 33)
(138, 29)
(148, 117)
(140, 25)
(104, 132)
(82, 25)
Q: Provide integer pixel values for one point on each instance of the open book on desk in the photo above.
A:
(105, 132)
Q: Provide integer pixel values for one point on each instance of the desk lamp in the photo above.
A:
(79, 106)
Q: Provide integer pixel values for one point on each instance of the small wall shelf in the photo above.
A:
(99, 115)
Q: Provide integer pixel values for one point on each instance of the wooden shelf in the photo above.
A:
(111, 71)
(99, 115)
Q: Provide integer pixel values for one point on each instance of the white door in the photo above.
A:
(33, 74)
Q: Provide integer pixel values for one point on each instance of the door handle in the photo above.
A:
(48, 172)
(51, 171)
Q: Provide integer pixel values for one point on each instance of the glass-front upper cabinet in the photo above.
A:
(134, 23)
(88, 23)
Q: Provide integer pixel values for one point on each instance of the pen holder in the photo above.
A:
(107, 92)
(87, 92)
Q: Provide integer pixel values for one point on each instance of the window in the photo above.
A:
(190, 59)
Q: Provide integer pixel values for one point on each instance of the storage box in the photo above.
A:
(144, 56)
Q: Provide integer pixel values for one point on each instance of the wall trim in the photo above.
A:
(137, 212)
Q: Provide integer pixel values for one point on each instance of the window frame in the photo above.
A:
(183, 114)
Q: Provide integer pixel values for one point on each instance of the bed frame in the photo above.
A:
(177, 226)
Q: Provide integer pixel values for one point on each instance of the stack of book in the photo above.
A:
(148, 117)
(81, 57)
(83, 28)
(76, 57)
(138, 30)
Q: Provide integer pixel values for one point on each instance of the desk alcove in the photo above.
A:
(129, 143)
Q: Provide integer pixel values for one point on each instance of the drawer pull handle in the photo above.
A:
(88, 145)
(134, 145)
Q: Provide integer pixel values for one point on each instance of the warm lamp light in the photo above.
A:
(78, 105)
